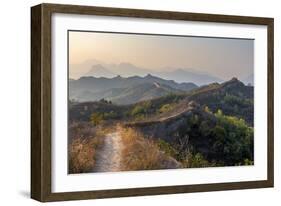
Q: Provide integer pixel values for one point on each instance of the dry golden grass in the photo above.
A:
(81, 153)
(81, 156)
(140, 153)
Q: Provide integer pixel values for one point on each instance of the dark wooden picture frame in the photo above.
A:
(41, 101)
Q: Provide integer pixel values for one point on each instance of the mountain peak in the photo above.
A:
(97, 66)
(233, 81)
(99, 70)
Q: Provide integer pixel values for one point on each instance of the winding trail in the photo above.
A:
(158, 120)
(108, 157)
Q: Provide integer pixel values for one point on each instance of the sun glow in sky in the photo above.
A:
(221, 57)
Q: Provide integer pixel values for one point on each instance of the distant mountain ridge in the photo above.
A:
(182, 75)
(125, 69)
(122, 90)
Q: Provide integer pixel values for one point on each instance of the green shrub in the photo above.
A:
(97, 118)
(167, 148)
(166, 108)
(196, 161)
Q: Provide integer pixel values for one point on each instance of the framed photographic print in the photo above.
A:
(132, 102)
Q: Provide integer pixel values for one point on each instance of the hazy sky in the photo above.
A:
(224, 58)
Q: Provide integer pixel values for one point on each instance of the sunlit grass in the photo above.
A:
(141, 153)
